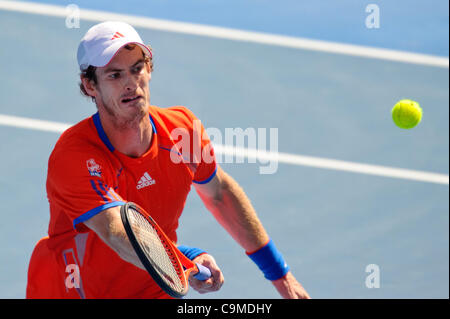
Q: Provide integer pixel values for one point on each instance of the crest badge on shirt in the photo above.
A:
(93, 168)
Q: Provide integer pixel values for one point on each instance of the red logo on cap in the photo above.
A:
(117, 35)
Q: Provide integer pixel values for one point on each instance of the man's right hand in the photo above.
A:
(212, 284)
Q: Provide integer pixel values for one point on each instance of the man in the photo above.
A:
(125, 152)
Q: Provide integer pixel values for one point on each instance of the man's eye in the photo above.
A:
(114, 75)
(137, 69)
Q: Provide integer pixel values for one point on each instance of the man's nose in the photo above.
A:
(130, 82)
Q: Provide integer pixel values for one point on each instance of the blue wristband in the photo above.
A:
(191, 252)
(270, 261)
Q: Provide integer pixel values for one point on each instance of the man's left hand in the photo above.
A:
(290, 288)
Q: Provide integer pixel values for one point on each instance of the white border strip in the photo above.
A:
(233, 34)
(264, 156)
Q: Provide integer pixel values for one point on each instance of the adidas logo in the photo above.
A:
(145, 181)
(117, 35)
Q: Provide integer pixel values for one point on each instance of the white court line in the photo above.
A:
(233, 34)
(33, 124)
(264, 156)
(339, 165)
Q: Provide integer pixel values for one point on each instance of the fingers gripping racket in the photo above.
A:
(164, 262)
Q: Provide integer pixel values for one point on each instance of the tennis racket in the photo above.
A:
(167, 265)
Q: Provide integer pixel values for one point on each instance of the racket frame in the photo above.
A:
(177, 258)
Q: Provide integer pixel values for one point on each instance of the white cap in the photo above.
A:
(103, 40)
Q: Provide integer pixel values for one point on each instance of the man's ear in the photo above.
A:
(149, 65)
(89, 86)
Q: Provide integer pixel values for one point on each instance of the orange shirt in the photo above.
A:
(86, 175)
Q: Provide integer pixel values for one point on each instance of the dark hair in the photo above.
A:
(90, 75)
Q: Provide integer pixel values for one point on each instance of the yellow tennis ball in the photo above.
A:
(406, 114)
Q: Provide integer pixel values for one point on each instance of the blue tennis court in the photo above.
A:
(329, 223)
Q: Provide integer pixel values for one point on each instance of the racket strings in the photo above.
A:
(157, 251)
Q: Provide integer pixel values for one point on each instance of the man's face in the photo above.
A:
(122, 88)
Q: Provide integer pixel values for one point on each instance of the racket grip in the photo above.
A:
(203, 272)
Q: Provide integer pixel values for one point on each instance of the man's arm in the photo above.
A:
(226, 200)
(109, 227)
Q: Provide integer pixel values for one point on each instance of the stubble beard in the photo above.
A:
(132, 121)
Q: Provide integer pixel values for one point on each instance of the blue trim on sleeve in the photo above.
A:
(101, 132)
(95, 211)
(208, 179)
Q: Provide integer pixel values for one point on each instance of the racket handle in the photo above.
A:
(203, 272)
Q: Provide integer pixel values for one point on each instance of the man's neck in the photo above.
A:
(132, 139)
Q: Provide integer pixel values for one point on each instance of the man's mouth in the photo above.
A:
(130, 99)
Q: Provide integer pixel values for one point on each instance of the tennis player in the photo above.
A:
(125, 152)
